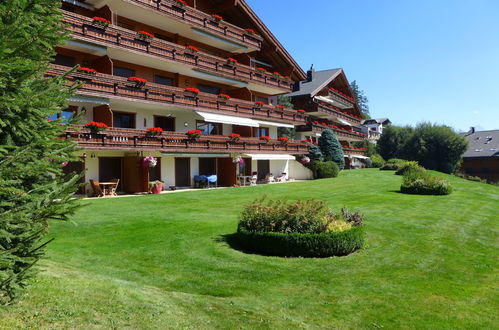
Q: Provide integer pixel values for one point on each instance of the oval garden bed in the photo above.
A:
(299, 229)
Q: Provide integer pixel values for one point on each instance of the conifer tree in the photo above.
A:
(314, 153)
(331, 148)
(33, 189)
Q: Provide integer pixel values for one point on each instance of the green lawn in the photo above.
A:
(161, 262)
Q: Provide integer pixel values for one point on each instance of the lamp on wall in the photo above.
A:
(186, 124)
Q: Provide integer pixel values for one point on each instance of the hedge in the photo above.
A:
(303, 245)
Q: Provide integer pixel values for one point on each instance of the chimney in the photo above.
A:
(472, 130)
(311, 73)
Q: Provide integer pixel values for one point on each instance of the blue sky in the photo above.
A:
(425, 60)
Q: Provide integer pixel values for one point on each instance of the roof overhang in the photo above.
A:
(231, 120)
(270, 157)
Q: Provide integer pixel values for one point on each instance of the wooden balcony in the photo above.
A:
(82, 28)
(187, 21)
(351, 152)
(103, 85)
(342, 134)
(334, 113)
(138, 140)
(340, 100)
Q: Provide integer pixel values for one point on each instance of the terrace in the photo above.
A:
(341, 132)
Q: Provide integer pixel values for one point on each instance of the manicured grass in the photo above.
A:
(162, 262)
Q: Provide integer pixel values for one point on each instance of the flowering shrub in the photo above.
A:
(223, 96)
(192, 49)
(259, 103)
(180, 2)
(145, 35)
(154, 131)
(192, 90)
(194, 133)
(234, 136)
(304, 160)
(265, 138)
(96, 126)
(250, 31)
(149, 161)
(231, 61)
(86, 70)
(261, 70)
(101, 21)
(139, 82)
(216, 17)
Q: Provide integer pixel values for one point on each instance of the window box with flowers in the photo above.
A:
(191, 92)
(277, 75)
(179, 5)
(250, 31)
(96, 126)
(259, 104)
(223, 97)
(280, 107)
(283, 139)
(234, 137)
(146, 36)
(216, 18)
(265, 138)
(86, 70)
(300, 111)
(154, 131)
(231, 61)
(137, 82)
(100, 22)
(261, 70)
(193, 134)
(191, 50)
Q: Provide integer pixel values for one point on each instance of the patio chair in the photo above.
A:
(212, 179)
(281, 178)
(200, 181)
(112, 189)
(96, 188)
(269, 178)
(254, 179)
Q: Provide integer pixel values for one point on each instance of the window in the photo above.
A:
(209, 89)
(166, 123)
(209, 128)
(123, 72)
(163, 80)
(123, 120)
(64, 60)
(261, 131)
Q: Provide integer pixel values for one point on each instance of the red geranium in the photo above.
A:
(250, 31)
(259, 103)
(283, 139)
(216, 17)
(194, 133)
(224, 96)
(101, 21)
(87, 70)
(145, 34)
(280, 107)
(315, 122)
(265, 138)
(301, 111)
(181, 2)
(234, 136)
(231, 60)
(96, 126)
(192, 90)
(261, 69)
(154, 130)
(137, 80)
(192, 48)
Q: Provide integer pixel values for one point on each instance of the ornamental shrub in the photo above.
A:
(331, 148)
(377, 161)
(420, 182)
(409, 166)
(314, 153)
(322, 170)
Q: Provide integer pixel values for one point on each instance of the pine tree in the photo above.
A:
(331, 148)
(290, 133)
(33, 189)
(362, 100)
(314, 153)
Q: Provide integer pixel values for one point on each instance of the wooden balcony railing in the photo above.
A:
(331, 111)
(201, 20)
(82, 28)
(349, 151)
(103, 85)
(341, 99)
(340, 133)
(136, 139)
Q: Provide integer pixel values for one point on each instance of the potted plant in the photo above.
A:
(231, 61)
(138, 82)
(191, 91)
(156, 187)
(265, 138)
(100, 22)
(224, 97)
(193, 133)
(154, 131)
(86, 70)
(234, 137)
(96, 126)
(149, 161)
(145, 35)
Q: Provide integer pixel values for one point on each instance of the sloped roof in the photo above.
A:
(482, 144)
(312, 87)
(375, 120)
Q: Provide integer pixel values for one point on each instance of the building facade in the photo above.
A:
(326, 97)
(373, 128)
(182, 66)
(482, 157)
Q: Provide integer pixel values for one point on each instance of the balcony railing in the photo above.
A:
(349, 151)
(135, 139)
(105, 85)
(201, 20)
(331, 111)
(82, 28)
(337, 96)
(339, 132)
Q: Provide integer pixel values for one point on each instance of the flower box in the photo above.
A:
(281, 107)
(138, 82)
(86, 70)
(231, 61)
(261, 70)
(259, 104)
(265, 138)
(154, 131)
(300, 111)
(250, 31)
(216, 18)
(179, 4)
(190, 91)
(145, 35)
(277, 75)
(96, 126)
(100, 22)
(193, 133)
(224, 97)
(191, 49)
(283, 139)
(234, 137)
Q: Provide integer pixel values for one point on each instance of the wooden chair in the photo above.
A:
(96, 188)
(112, 189)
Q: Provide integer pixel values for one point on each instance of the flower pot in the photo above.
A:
(157, 188)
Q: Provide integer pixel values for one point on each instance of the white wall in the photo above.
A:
(299, 172)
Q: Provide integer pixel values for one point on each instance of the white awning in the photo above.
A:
(344, 122)
(271, 123)
(360, 157)
(172, 154)
(233, 120)
(270, 157)
(88, 99)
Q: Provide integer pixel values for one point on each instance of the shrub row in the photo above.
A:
(303, 245)
(322, 170)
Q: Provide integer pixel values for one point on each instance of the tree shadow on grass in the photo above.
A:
(232, 241)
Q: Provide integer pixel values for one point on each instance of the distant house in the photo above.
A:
(482, 157)
(373, 128)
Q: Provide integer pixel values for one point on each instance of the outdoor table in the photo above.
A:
(104, 186)
(246, 179)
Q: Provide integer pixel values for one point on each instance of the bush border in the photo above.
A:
(303, 245)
